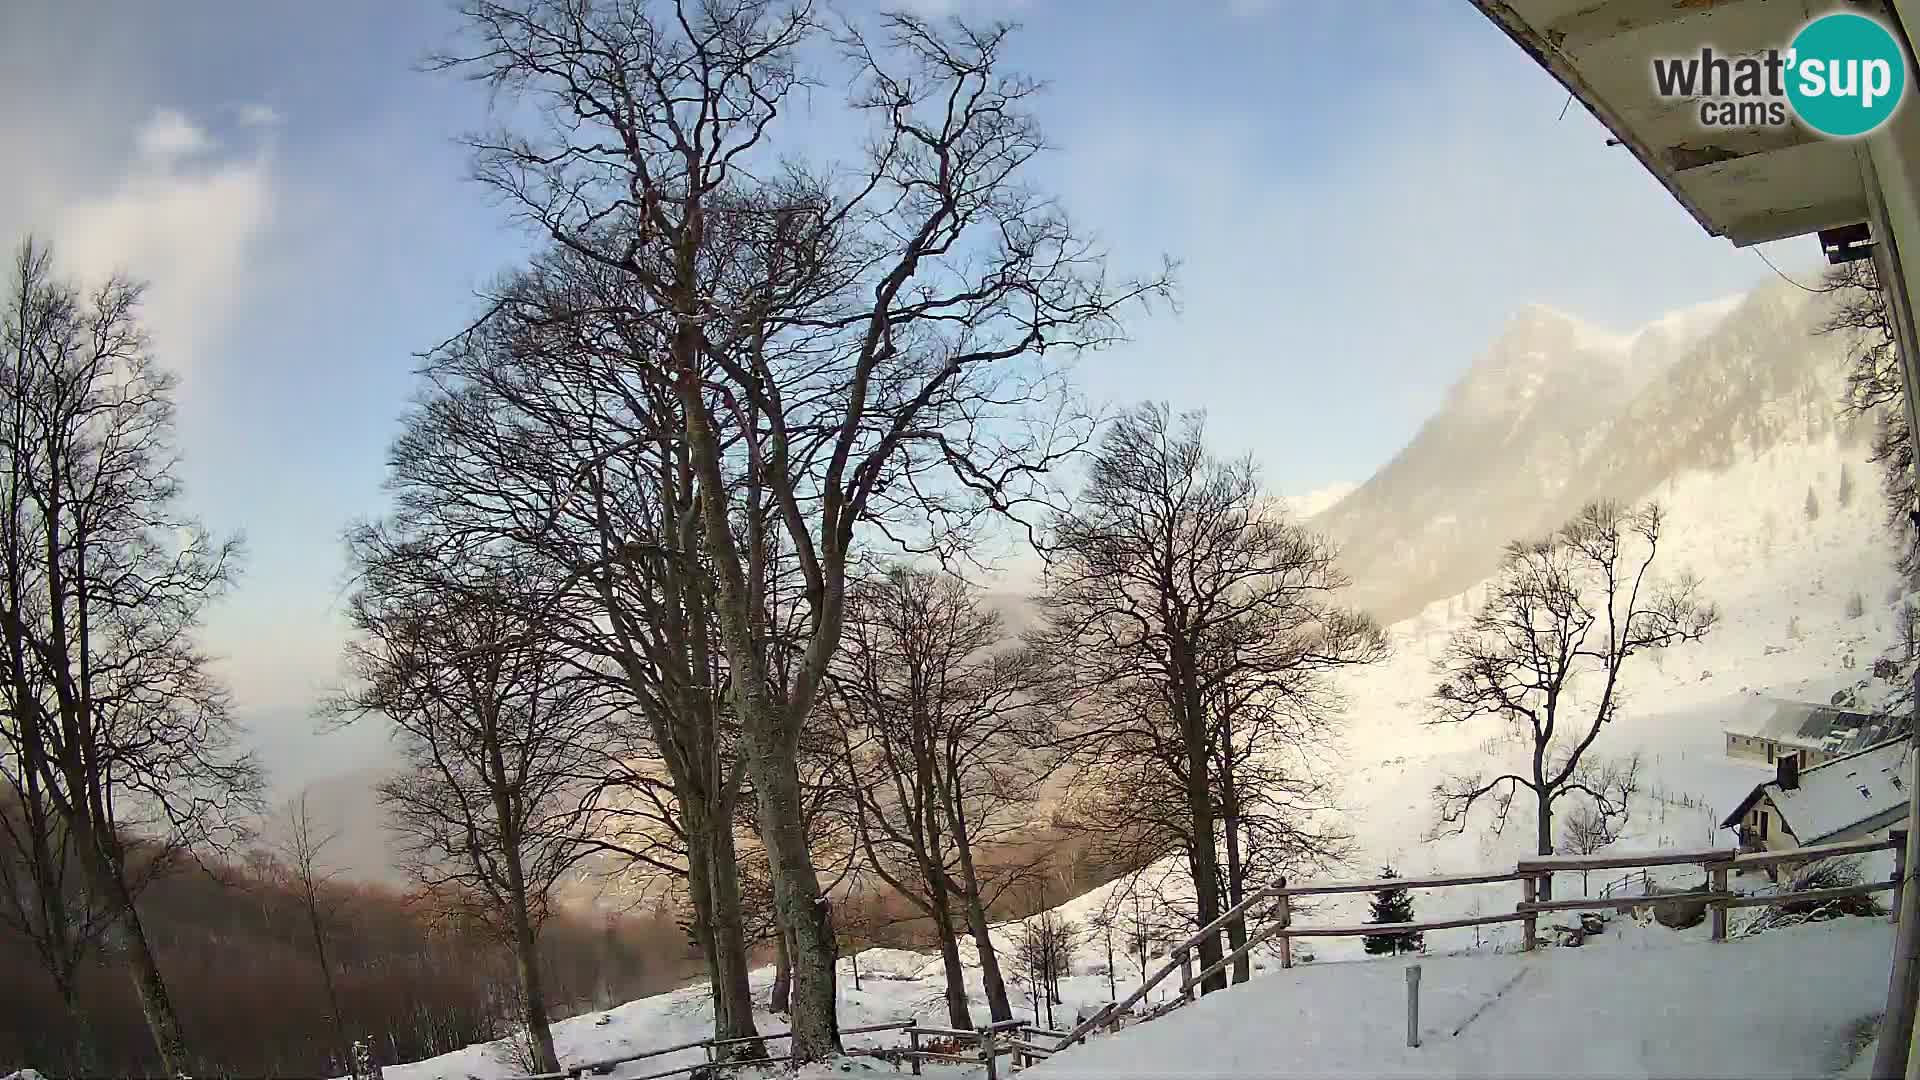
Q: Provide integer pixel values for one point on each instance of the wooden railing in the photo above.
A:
(1022, 1042)
(1531, 874)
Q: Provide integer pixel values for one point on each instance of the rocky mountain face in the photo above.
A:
(1555, 413)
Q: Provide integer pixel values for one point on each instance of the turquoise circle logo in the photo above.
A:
(1847, 74)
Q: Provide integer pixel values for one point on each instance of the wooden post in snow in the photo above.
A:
(1186, 974)
(1531, 923)
(1720, 906)
(1286, 920)
(1899, 839)
(913, 1043)
(989, 1053)
(1413, 1005)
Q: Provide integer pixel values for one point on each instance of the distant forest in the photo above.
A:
(236, 946)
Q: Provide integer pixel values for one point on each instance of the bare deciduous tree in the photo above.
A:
(1045, 944)
(499, 733)
(111, 708)
(1586, 831)
(1565, 613)
(849, 347)
(301, 853)
(945, 733)
(1195, 616)
(535, 435)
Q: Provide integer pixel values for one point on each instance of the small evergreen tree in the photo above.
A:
(1392, 904)
(1846, 487)
(1813, 504)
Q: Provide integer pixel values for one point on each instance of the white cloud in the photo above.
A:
(1305, 506)
(169, 134)
(180, 216)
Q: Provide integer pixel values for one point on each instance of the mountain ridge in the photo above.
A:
(1555, 413)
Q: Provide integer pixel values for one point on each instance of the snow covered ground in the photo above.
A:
(1632, 1002)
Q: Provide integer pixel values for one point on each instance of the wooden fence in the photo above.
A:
(1021, 1042)
(1719, 865)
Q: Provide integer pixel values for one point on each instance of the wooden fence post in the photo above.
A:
(1898, 837)
(1286, 920)
(989, 1054)
(1413, 1005)
(1530, 924)
(1186, 975)
(913, 1052)
(1720, 906)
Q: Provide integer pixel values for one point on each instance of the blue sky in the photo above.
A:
(1360, 192)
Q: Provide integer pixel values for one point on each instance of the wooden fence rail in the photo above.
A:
(1531, 873)
(1018, 1040)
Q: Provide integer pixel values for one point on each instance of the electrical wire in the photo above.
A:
(1784, 277)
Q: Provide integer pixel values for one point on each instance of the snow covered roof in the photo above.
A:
(1836, 795)
(1815, 727)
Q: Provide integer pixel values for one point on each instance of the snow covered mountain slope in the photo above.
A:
(1556, 413)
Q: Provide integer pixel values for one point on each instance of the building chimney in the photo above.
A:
(1789, 775)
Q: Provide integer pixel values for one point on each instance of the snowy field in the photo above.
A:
(1633, 1002)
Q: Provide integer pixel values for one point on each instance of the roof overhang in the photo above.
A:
(1748, 184)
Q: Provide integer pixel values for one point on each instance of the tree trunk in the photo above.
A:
(713, 887)
(1236, 891)
(1113, 984)
(103, 873)
(341, 1045)
(732, 995)
(1204, 854)
(79, 1041)
(767, 736)
(933, 869)
(781, 1000)
(999, 1007)
(533, 990)
(700, 896)
(957, 1012)
(1236, 870)
(798, 901)
(1544, 837)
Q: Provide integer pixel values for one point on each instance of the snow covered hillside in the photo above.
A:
(1784, 586)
